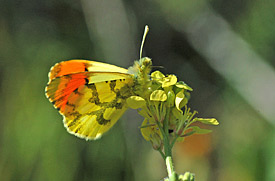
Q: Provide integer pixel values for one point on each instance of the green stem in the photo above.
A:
(166, 141)
(168, 159)
(166, 123)
(170, 169)
(168, 148)
(161, 153)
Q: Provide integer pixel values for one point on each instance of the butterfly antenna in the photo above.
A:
(157, 66)
(146, 30)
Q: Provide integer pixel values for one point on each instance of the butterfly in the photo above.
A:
(91, 96)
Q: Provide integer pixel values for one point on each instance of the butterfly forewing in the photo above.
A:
(76, 66)
(90, 102)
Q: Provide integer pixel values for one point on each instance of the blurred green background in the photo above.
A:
(223, 49)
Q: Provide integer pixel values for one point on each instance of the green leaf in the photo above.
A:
(182, 137)
(135, 102)
(211, 121)
(199, 130)
(187, 95)
(158, 95)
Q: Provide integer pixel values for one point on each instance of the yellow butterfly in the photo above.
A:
(91, 96)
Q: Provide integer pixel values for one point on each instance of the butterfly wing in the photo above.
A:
(76, 66)
(90, 102)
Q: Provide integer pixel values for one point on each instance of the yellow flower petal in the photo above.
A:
(146, 131)
(169, 81)
(179, 97)
(183, 85)
(157, 75)
(158, 95)
(135, 102)
(149, 130)
(211, 121)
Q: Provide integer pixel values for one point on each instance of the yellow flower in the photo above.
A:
(151, 132)
(164, 107)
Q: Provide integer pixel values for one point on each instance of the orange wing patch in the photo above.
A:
(60, 88)
(76, 66)
(90, 102)
(68, 67)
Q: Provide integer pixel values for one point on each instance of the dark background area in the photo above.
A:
(223, 49)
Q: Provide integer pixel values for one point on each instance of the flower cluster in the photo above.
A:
(164, 108)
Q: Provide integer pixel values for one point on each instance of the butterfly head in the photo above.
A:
(141, 68)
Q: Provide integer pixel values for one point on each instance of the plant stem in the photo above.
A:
(168, 149)
(168, 160)
(170, 169)
(162, 154)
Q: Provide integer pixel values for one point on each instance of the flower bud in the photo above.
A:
(156, 141)
(170, 98)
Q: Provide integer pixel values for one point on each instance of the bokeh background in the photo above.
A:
(223, 49)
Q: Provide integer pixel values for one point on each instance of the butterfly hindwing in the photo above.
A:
(90, 102)
(96, 107)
